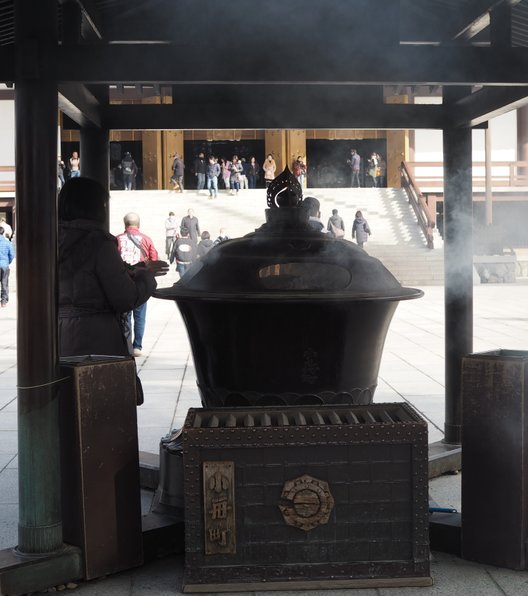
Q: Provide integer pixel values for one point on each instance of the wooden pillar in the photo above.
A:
(275, 143)
(295, 145)
(172, 142)
(458, 264)
(397, 146)
(152, 155)
(152, 160)
(36, 109)
(412, 145)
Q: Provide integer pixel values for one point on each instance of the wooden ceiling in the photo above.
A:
(283, 63)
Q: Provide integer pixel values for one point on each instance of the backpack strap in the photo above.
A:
(137, 243)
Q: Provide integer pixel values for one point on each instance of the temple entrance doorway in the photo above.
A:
(327, 161)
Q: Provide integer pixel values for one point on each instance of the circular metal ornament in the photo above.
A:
(310, 502)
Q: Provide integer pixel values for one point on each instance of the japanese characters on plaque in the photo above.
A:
(219, 507)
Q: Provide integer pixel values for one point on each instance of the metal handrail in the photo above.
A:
(421, 209)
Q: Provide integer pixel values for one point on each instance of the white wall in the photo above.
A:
(428, 143)
(7, 133)
(503, 130)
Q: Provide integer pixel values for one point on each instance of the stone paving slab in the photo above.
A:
(451, 576)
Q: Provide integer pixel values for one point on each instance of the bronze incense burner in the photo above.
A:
(287, 315)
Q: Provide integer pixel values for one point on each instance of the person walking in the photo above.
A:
(199, 171)
(244, 182)
(171, 225)
(253, 173)
(8, 230)
(373, 169)
(299, 170)
(75, 165)
(313, 206)
(7, 254)
(222, 237)
(212, 173)
(136, 247)
(225, 166)
(360, 229)
(355, 165)
(61, 166)
(129, 169)
(178, 168)
(205, 245)
(236, 170)
(183, 252)
(269, 166)
(336, 225)
(381, 171)
(191, 223)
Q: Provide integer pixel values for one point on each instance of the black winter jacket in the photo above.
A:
(95, 288)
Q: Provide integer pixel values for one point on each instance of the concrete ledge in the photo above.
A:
(149, 470)
(25, 574)
(444, 458)
(496, 268)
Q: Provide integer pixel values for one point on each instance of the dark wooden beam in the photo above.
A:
(483, 20)
(488, 103)
(79, 104)
(71, 22)
(91, 14)
(337, 62)
(210, 114)
(7, 64)
(501, 25)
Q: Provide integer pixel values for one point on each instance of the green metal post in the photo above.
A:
(458, 265)
(36, 121)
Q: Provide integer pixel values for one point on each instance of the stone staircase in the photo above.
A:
(396, 238)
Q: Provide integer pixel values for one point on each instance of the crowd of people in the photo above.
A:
(212, 173)
(235, 174)
(336, 225)
(185, 243)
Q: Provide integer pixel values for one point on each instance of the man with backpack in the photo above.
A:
(336, 225)
(129, 169)
(136, 247)
(183, 252)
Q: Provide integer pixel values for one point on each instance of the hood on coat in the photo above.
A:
(73, 232)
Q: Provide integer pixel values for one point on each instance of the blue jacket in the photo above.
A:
(7, 252)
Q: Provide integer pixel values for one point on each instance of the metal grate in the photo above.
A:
(302, 417)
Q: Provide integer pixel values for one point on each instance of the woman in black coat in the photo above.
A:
(96, 288)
